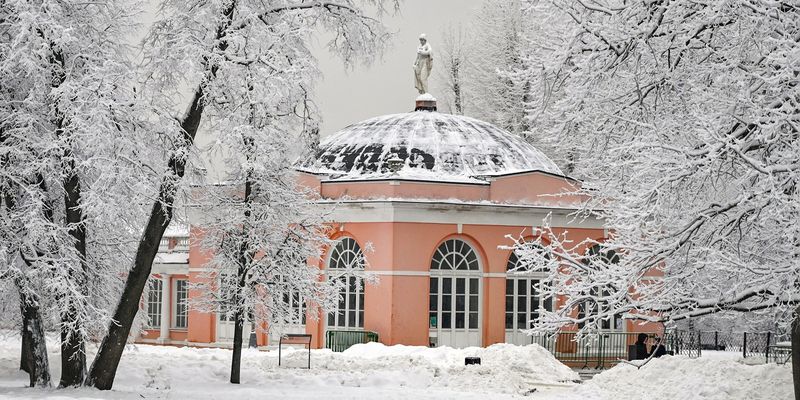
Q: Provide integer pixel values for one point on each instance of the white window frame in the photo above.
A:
(351, 272)
(154, 319)
(175, 303)
(513, 278)
(454, 273)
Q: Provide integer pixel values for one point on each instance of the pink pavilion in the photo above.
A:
(424, 200)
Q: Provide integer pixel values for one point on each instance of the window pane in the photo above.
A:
(473, 285)
(460, 285)
(460, 302)
(446, 320)
(473, 320)
(447, 285)
(434, 288)
(446, 302)
(509, 321)
(509, 286)
(522, 287)
(509, 303)
(522, 320)
(548, 304)
(473, 303)
(459, 320)
(433, 301)
(432, 320)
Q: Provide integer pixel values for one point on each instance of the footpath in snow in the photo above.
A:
(375, 371)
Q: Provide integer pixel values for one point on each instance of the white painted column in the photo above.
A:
(166, 310)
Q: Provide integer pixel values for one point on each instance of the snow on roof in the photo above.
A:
(431, 145)
(176, 230)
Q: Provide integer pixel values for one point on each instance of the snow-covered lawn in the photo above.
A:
(374, 371)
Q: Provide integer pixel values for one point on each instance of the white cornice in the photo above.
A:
(444, 212)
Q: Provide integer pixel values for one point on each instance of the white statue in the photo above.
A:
(423, 65)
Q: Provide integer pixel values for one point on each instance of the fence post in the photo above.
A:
(766, 346)
(699, 343)
(744, 346)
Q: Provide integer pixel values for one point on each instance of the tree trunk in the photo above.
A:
(796, 353)
(34, 347)
(104, 367)
(73, 346)
(241, 279)
(236, 361)
(25, 353)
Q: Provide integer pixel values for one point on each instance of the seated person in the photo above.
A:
(640, 348)
(658, 348)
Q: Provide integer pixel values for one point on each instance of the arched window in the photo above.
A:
(455, 254)
(345, 262)
(455, 283)
(523, 300)
(612, 323)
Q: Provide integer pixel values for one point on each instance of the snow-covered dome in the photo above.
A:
(431, 146)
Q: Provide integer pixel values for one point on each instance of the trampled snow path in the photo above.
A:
(374, 371)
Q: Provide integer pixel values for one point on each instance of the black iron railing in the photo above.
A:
(341, 340)
(603, 350)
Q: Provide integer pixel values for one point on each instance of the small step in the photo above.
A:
(587, 374)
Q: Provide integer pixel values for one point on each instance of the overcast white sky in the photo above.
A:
(387, 86)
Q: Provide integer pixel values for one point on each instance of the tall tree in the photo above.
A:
(688, 114)
(205, 44)
(455, 57)
(67, 146)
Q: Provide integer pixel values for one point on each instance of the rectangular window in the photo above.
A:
(181, 294)
(154, 295)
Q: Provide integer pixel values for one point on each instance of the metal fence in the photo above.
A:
(749, 344)
(607, 349)
(337, 340)
(598, 351)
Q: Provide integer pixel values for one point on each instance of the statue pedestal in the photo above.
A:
(425, 102)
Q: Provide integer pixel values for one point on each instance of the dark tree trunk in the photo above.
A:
(236, 361)
(73, 346)
(34, 348)
(796, 353)
(25, 353)
(104, 367)
(241, 278)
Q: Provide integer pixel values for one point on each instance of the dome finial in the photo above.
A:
(425, 102)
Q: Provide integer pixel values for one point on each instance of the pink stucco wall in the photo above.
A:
(396, 307)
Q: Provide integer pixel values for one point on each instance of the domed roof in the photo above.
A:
(431, 145)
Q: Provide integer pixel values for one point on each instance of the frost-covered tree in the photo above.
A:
(454, 59)
(688, 115)
(68, 146)
(260, 225)
(496, 48)
(208, 46)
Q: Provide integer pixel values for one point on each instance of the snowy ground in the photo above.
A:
(374, 371)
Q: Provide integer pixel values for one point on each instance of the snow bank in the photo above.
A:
(368, 371)
(504, 368)
(681, 377)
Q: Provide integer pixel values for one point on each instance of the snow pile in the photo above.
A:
(681, 377)
(504, 368)
(368, 371)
